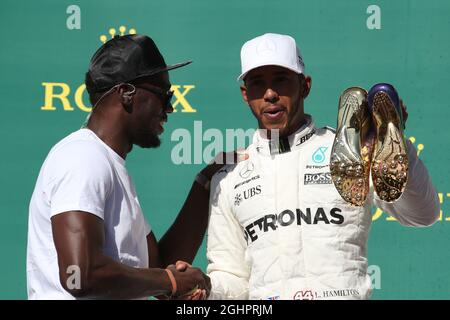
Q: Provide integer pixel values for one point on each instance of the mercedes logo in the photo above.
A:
(247, 170)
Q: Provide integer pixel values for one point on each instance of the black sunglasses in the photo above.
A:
(166, 96)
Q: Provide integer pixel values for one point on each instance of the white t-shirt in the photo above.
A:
(82, 173)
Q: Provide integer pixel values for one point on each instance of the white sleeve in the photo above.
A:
(419, 203)
(79, 177)
(147, 226)
(226, 248)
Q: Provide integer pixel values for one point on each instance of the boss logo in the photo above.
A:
(317, 178)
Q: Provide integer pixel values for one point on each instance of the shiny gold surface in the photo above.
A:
(390, 160)
(350, 159)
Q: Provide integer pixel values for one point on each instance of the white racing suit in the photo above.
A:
(280, 230)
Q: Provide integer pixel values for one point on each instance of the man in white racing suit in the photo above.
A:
(278, 228)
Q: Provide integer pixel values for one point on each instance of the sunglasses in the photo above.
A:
(166, 96)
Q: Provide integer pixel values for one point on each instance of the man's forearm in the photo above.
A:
(419, 203)
(109, 279)
(184, 237)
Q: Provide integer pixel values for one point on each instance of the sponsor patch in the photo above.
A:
(311, 216)
(246, 181)
(317, 178)
(249, 193)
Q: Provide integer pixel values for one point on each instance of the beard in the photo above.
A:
(148, 140)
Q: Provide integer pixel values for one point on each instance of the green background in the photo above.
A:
(411, 50)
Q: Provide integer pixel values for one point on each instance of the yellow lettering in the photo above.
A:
(390, 218)
(181, 98)
(441, 201)
(63, 96)
(50, 96)
(79, 99)
(448, 196)
(377, 214)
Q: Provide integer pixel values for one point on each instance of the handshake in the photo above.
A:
(188, 283)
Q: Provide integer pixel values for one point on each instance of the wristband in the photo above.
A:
(172, 281)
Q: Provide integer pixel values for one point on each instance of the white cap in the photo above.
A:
(271, 49)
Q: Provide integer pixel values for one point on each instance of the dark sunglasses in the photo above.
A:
(166, 96)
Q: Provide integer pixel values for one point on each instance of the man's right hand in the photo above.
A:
(222, 159)
(192, 283)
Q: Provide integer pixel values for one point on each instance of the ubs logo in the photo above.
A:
(247, 194)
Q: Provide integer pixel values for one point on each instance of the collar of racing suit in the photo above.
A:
(278, 145)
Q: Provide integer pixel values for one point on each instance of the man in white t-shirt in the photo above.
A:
(87, 235)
